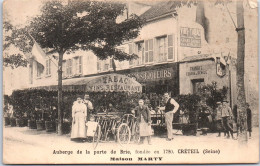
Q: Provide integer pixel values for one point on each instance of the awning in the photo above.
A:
(101, 83)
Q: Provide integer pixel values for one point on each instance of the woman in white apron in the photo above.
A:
(144, 120)
(79, 115)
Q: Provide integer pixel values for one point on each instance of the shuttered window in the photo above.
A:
(131, 62)
(148, 46)
(170, 47)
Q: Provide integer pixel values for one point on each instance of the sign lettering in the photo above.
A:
(196, 70)
(190, 37)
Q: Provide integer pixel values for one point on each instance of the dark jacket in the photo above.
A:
(143, 111)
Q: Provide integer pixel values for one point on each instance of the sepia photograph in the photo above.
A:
(130, 82)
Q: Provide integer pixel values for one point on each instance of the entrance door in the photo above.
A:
(196, 84)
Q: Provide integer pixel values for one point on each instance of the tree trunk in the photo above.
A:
(60, 110)
(241, 98)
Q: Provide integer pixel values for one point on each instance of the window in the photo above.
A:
(31, 72)
(48, 67)
(39, 69)
(69, 67)
(78, 65)
(197, 84)
(131, 62)
(170, 47)
(165, 47)
(64, 68)
(140, 52)
(148, 51)
(110, 63)
(98, 65)
(162, 49)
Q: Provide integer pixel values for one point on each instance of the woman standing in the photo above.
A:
(79, 115)
(144, 120)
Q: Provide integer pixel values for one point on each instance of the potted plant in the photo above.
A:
(32, 120)
(190, 105)
(50, 124)
(40, 124)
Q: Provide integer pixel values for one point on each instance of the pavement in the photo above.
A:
(22, 146)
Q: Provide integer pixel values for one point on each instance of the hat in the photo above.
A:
(218, 102)
(86, 96)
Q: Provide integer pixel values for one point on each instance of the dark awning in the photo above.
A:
(102, 83)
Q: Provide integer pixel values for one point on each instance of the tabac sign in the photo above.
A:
(113, 83)
(190, 37)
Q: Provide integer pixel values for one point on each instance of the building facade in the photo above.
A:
(176, 53)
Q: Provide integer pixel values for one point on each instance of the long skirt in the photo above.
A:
(145, 129)
(78, 129)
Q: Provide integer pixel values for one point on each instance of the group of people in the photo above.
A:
(225, 118)
(82, 107)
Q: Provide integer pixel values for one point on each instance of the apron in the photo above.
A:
(145, 129)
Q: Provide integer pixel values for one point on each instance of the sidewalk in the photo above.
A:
(21, 142)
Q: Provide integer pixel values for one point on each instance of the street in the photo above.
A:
(23, 145)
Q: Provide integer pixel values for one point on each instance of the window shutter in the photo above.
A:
(63, 68)
(151, 50)
(146, 50)
(130, 52)
(47, 67)
(170, 47)
(80, 65)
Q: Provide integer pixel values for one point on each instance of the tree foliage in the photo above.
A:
(87, 25)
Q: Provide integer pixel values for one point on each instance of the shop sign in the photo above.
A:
(220, 68)
(113, 83)
(196, 70)
(190, 37)
(152, 75)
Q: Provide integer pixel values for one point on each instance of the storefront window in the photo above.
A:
(197, 84)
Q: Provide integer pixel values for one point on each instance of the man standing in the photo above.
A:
(171, 106)
(218, 118)
(88, 104)
(249, 119)
(227, 118)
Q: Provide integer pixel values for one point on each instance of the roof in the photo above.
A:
(159, 9)
(197, 58)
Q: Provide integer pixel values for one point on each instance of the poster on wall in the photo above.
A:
(72, 94)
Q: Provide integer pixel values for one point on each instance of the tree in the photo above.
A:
(241, 97)
(10, 36)
(86, 25)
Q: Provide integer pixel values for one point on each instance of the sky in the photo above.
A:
(26, 9)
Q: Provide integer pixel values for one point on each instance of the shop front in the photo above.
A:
(157, 78)
(196, 73)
